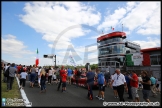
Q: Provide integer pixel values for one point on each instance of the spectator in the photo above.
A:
(50, 75)
(10, 79)
(101, 84)
(134, 86)
(153, 86)
(6, 67)
(18, 70)
(54, 78)
(64, 77)
(114, 86)
(23, 77)
(120, 82)
(62, 71)
(77, 75)
(69, 75)
(57, 75)
(90, 82)
(128, 85)
(157, 85)
(32, 76)
(146, 86)
(139, 82)
(43, 80)
(107, 77)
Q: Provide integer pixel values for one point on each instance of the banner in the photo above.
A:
(137, 58)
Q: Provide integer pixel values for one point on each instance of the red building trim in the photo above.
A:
(113, 34)
(151, 49)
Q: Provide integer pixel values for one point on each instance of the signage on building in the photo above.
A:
(132, 45)
(137, 58)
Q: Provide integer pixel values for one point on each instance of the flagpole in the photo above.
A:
(122, 27)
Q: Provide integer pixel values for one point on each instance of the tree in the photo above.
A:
(94, 66)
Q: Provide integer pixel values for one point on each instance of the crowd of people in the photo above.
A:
(128, 82)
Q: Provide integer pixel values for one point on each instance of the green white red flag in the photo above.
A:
(112, 28)
(37, 59)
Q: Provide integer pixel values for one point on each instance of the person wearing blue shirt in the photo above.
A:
(69, 73)
(15, 67)
(153, 86)
(90, 82)
(128, 85)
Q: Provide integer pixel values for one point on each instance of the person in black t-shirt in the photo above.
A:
(146, 86)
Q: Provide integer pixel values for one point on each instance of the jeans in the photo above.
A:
(9, 82)
(90, 92)
(43, 84)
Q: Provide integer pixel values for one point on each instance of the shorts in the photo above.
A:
(114, 88)
(54, 79)
(107, 80)
(101, 87)
(69, 77)
(146, 94)
(63, 84)
(32, 77)
(134, 92)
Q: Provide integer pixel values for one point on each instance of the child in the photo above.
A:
(54, 77)
(23, 77)
(64, 77)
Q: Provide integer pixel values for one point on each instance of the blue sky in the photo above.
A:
(27, 26)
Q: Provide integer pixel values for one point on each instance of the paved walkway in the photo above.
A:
(73, 97)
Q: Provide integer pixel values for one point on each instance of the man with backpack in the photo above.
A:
(10, 78)
(101, 84)
(6, 72)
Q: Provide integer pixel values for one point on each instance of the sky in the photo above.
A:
(71, 28)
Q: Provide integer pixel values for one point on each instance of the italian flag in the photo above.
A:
(37, 59)
(112, 28)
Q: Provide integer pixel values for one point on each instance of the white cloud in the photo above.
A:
(130, 5)
(150, 43)
(51, 18)
(112, 20)
(12, 46)
(153, 24)
(145, 17)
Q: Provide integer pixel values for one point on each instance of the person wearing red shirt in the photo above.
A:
(76, 76)
(62, 71)
(64, 77)
(134, 86)
(18, 70)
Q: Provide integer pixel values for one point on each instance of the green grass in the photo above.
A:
(14, 93)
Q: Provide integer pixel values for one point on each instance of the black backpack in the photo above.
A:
(6, 74)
